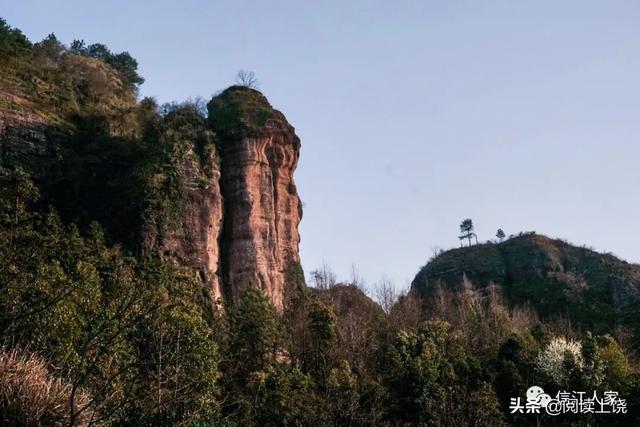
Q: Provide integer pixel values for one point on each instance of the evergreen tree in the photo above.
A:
(466, 230)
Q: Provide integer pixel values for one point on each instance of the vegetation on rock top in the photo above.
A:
(240, 111)
(66, 86)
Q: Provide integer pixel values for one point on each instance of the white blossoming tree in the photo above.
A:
(558, 358)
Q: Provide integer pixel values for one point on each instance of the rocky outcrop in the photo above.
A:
(259, 152)
(194, 240)
(216, 195)
(237, 210)
(25, 133)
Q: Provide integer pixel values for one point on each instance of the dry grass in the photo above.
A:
(31, 396)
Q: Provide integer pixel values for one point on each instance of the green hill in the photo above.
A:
(594, 289)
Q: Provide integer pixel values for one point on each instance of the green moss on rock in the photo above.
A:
(241, 112)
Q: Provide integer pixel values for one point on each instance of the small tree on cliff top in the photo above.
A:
(247, 79)
(466, 230)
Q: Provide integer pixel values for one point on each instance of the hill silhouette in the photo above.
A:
(593, 289)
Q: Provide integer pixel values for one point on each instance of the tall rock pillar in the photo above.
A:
(259, 152)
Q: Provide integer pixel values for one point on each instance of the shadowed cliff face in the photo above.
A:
(259, 152)
(194, 240)
(215, 195)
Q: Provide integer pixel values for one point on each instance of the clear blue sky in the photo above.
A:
(523, 115)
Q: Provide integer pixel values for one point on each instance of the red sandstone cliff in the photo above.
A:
(234, 216)
(259, 152)
(194, 241)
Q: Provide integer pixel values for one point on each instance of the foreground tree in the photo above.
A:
(432, 380)
(128, 336)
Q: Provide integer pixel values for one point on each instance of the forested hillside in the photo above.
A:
(594, 290)
(150, 276)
